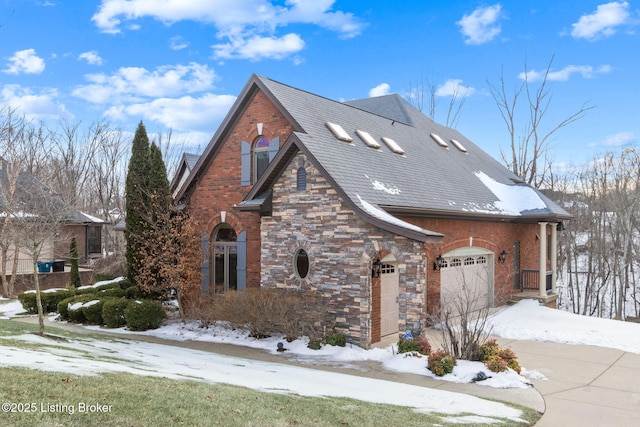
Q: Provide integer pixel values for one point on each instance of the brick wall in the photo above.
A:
(218, 189)
(340, 247)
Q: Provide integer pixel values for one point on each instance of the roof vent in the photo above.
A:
(367, 138)
(439, 140)
(339, 132)
(393, 146)
(458, 145)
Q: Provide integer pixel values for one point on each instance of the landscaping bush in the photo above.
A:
(441, 363)
(497, 359)
(53, 298)
(63, 308)
(266, 312)
(407, 345)
(336, 339)
(143, 314)
(74, 311)
(113, 312)
(314, 344)
(132, 292)
(113, 292)
(28, 301)
(92, 311)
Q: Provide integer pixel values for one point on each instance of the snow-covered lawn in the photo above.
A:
(526, 320)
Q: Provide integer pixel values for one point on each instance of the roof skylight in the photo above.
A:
(458, 145)
(339, 132)
(439, 140)
(367, 138)
(393, 146)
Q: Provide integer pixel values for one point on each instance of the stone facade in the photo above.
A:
(340, 247)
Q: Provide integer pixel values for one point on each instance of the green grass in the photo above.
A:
(147, 401)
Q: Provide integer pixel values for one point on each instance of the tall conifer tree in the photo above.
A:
(136, 200)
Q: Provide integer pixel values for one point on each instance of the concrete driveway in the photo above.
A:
(585, 385)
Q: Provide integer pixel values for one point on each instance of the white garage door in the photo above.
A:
(466, 280)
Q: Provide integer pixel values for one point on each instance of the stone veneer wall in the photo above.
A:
(340, 247)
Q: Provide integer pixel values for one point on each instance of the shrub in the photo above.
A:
(28, 301)
(53, 298)
(113, 312)
(266, 312)
(49, 300)
(336, 339)
(63, 308)
(113, 292)
(441, 363)
(143, 314)
(496, 364)
(92, 311)
(497, 359)
(407, 345)
(424, 346)
(315, 344)
(131, 292)
(73, 309)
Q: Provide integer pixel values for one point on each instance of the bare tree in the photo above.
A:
(426, 92)
(528, 154)
(464, 312)
(19, 142)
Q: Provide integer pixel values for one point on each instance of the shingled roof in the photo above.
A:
(423, 177)
(36, 200)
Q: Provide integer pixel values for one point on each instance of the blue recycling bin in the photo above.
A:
(44, 267)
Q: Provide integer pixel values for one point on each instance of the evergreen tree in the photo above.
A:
(136, 200)
(74, 275)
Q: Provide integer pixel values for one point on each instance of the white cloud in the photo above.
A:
(454, 87)
(602, 22)
(185, 113)
(619, 139)
(25, 61)
(481, 25)
(133, 84)
(244, 27)
(586, 71)
(178, 43)
(380, 90)
(257, 47)
(39, 106)
(91, 57)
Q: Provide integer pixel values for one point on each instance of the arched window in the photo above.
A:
(224, 259)
(301, 179)
(260, 154)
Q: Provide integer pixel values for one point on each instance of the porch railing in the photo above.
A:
(530, 280)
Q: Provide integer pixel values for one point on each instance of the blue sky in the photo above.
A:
(180, 64)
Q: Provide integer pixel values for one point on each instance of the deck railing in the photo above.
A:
(530, 280)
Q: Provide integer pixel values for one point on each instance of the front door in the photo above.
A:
(389, 299)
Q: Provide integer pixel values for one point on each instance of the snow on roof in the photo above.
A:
(92, 218)
(390, 219)
(512, 199)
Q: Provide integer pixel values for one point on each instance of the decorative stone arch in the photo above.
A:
(382, 260)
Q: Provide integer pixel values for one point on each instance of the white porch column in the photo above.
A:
(542, 278)
(554, 255)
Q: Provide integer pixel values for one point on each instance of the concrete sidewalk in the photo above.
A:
(584, 385)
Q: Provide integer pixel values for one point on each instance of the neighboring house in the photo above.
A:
(186, 165)
(369, 203)
(36, 201)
